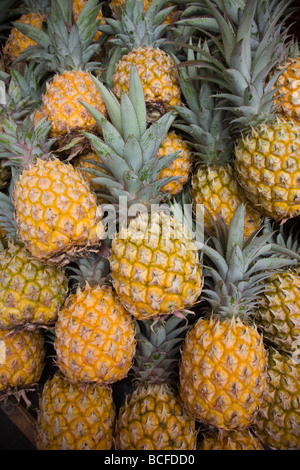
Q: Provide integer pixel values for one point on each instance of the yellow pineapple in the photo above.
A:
(72, 82)
(86, 161)
(152, 416)
(278, 422)
(154, 262)
(17, 42)
(56, 213)
(223, 366)
(267, 145)
(180, 168)
(229, 440)
(142, 45)
(94, 334)
(75, 416)
(278, 314)
(22, 355)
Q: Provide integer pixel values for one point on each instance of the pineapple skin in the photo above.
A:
(288, 96)
(75, 416)
(229, 440)
(278, 314)
(155, 271)
(30, 291)
(55, 211)
(61, 103)
(159, 80)
(22, 356)
(215, 187)
(180, 167)
(153, 418)
(268, 168)
(95, 337)
(223, 373)
(17, 42)
(278, 422)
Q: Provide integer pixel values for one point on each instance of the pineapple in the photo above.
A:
(223, 365)
(75, 416)
(85, 161)
(214, 183)
(22, 355)
(267, 145)
(94, 334)
(140, 36)
(72, 49)
(181, 167)
(287, 85)
(278, 422)
(34, 15)
(31, 293)
(152, 416)
(55, 211)
(154, 262)
(278, 314)
(229, 440)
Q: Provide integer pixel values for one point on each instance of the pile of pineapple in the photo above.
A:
(114, 117)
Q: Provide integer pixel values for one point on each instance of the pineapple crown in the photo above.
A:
(21, 144)
(235, 270)
(24, 93)
(206, 125)
(64, 44)
(93, 270)
(138, 29)
(128, 148)
(241, 65)
(158, 349)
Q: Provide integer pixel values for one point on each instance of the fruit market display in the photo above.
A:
(149, 223)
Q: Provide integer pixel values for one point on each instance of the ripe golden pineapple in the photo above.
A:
(278, 422)
(180, 168)
(288, 95)
(31, 293)
(155, 273)
(223, 366)
(17, 42)
(22, 355)
(214, 182)
(55, 210)
(152, 416)
(140, 36)
(75, 416)
(154, 262)
(278, 313)
(72, 82)
(267, 145)
(94, 334)
(229, 440)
